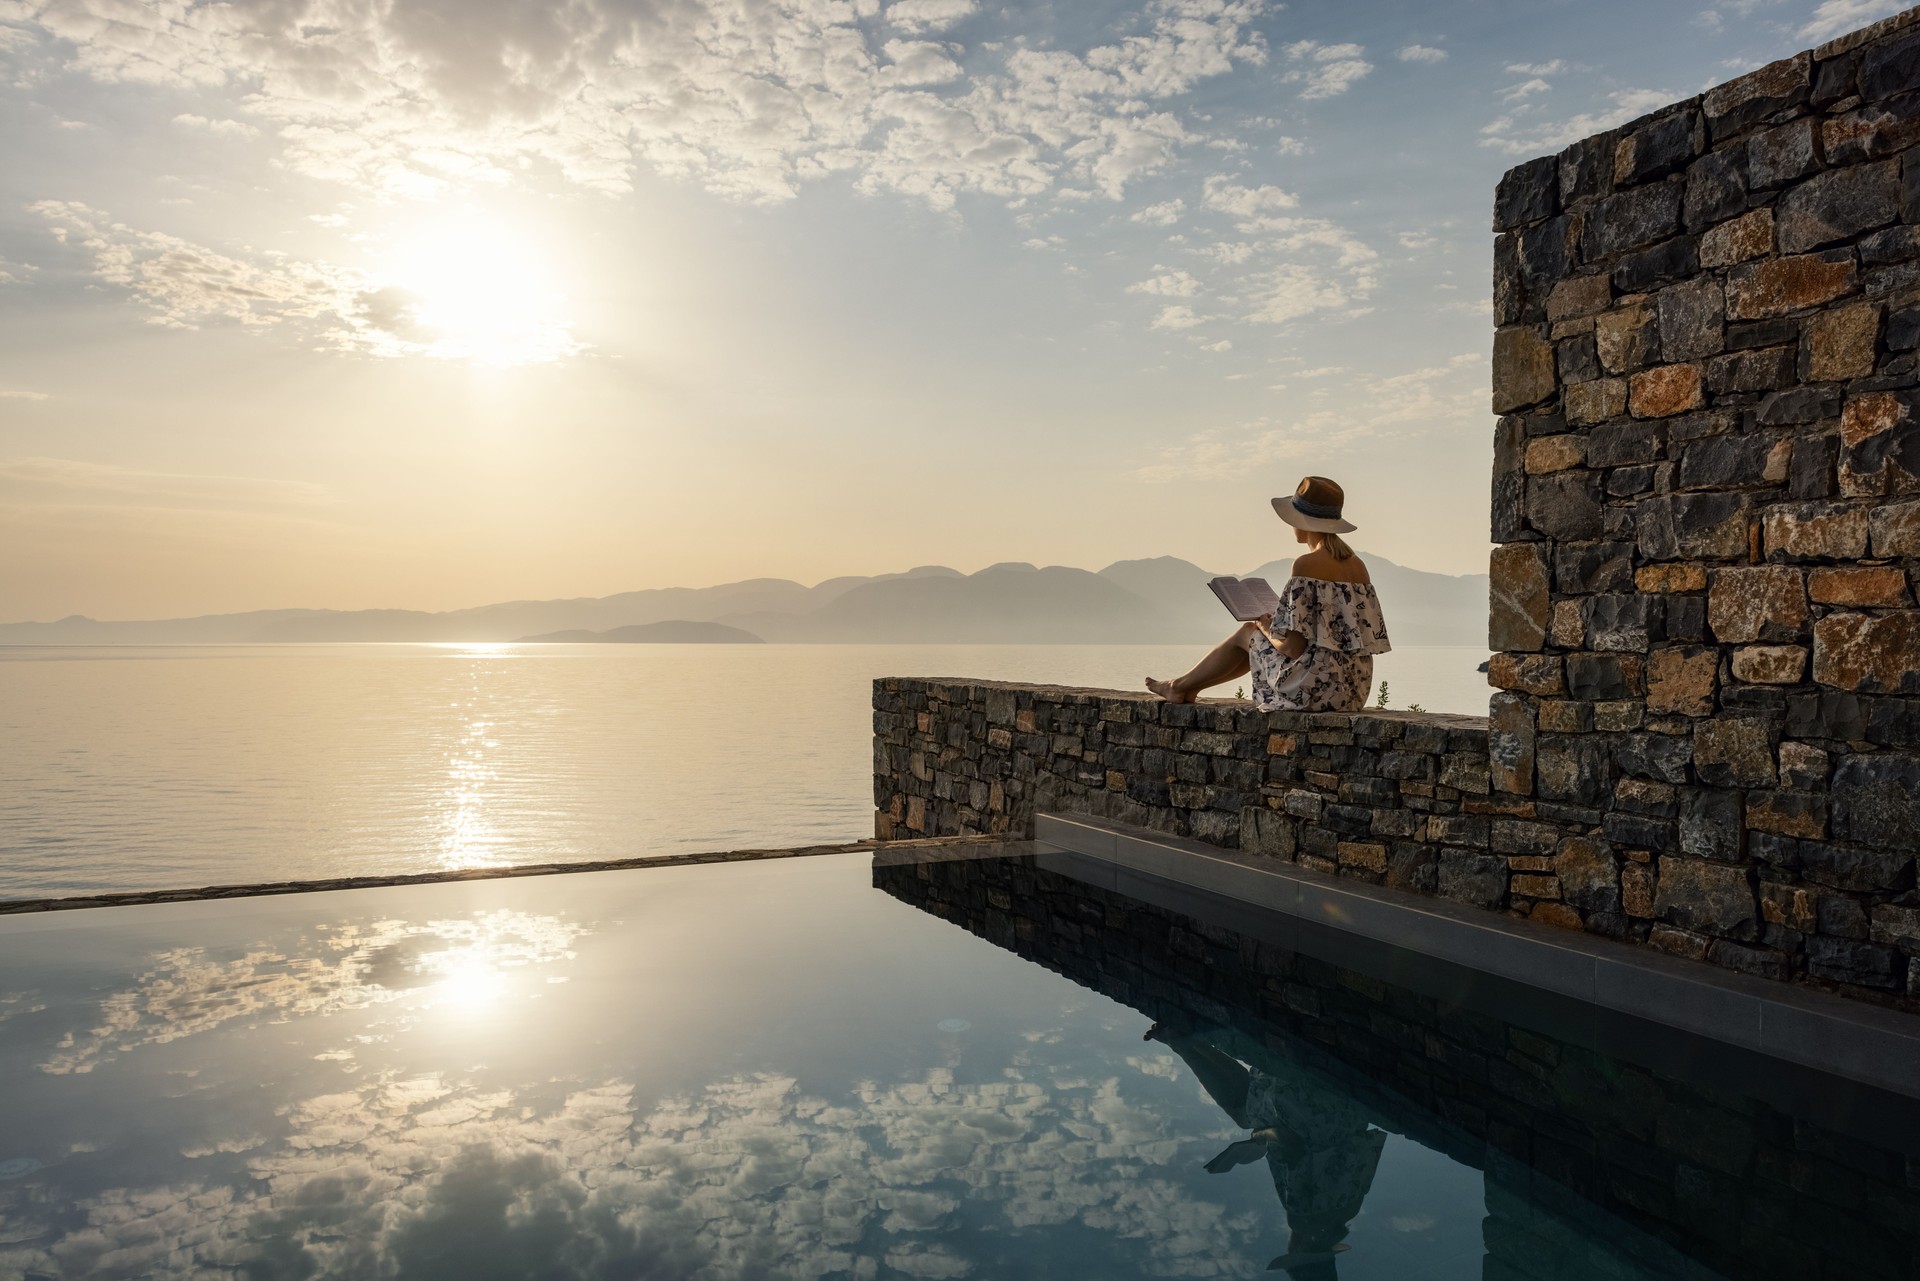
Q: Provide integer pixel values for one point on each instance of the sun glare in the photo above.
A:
(466, 286)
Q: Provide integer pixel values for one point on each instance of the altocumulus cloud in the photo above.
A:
(750, 98)
(189, 286)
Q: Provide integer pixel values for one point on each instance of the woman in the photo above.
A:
(1315, 652)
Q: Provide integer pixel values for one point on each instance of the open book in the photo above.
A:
(1245, 598)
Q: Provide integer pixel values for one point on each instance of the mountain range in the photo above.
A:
(1159, 601)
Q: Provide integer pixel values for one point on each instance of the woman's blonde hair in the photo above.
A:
(1335, 546)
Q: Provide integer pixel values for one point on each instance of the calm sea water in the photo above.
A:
(141, 768)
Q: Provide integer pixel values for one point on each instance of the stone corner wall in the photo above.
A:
(1706, 505)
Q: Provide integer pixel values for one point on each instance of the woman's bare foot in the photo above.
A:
(1166, 690)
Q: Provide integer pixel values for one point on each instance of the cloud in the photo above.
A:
(1513, 134)
(67, 482)
(1227, 196)
(8, 393)
(1443, 396)
(750, 99)
(1326, 70)
(1164, 214)
(1525, 89)
(1536, 68)
(1417, 241)
(1177, 317)
(1172, 284)
(1225, 344)
(189, 286)
(1421, 53)
(224, 128)
(1835, 17)
(928, 15)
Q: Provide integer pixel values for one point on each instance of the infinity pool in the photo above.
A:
(799, 1069)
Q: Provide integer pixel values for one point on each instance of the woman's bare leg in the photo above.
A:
(1224, 662)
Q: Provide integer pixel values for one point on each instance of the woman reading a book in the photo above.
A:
(1311, 646)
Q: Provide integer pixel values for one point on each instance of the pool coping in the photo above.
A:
(1829, 1034)
(944, 846)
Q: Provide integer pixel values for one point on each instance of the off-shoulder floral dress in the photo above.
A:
(1344, 630)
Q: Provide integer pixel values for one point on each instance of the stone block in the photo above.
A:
(1745, 101)
(1876, 801)
(1814, 471)
(1619, 715)
(1579, 296)
(1783, 154)
(1799, 814)
(1858, 867)
(1566, 505)
(1815, 531)
(1763, 603)
(1709, 897)
(1523, 370)
(1508, 512)
(1710, 824)
(1889, 67)
(1770, 664)
(1518, 597)
(1575, 360)
(1593, 677)
(1716, 188)
(1621, 623)
(1589, 875)
(1803, 765)
(1564, 716)
(1903, 326)
(1866, 965)
(1837, 206)
(1897, 925)
(1865, 654)
(1895, 244)
(1841, 343)
(1636, 890)
(1711, 526)
(1671, 578)
(1529, 673)
(1665, 390)
(1776, 286)
(1894, 529)
(1510, 743)
(1669, 260)
(1596, 400)
(1744, 239)
(1873, 130)
(1573, 767)
(1527, 193)
(1547, 454)
(1692, 319)
(1725, 462)
(1666, 145)
(1566, 628)
(1626, 443)
(1476, 879)
(1628, 337)
(1266, 832)
(1580, 569)
(1879, 445)
(1631, 220)
(1757, 369)
(1733, 752)
(1798, 405)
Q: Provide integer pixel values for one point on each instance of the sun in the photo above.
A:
(469, 286)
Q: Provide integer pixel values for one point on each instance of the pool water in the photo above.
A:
(803, 1069)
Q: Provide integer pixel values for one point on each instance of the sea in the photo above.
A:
(138, 768)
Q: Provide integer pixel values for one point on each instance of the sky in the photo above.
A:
(432, 303)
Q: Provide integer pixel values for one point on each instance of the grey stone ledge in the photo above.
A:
(1828, 1034)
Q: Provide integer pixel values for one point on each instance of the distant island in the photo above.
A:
(1162, 601)
(674, 631)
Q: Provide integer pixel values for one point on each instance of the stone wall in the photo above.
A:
(1706, 501)
(1749, 1192)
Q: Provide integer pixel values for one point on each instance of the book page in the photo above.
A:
(1245, 598)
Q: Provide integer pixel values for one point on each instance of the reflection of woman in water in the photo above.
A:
(1319, 1147)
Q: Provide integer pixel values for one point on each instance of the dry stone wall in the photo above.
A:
(1706, 511)
(1706, 501)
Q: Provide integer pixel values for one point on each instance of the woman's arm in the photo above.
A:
(1291, 644)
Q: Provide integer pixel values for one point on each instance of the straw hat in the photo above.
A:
(1316, 506)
